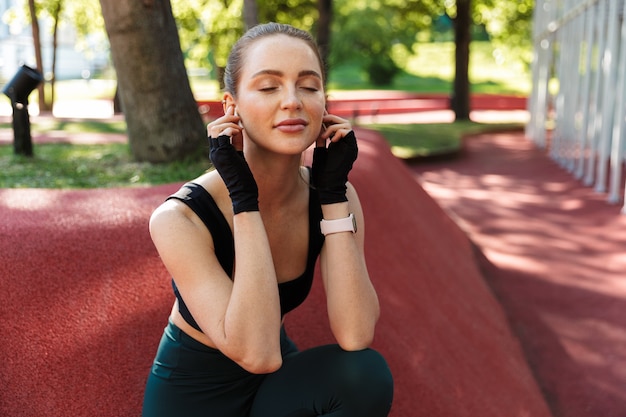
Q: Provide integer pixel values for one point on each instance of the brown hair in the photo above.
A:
(232, 72)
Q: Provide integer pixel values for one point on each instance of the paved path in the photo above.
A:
(555, 255)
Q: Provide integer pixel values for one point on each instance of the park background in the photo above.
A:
(506, 299)
(375, 46)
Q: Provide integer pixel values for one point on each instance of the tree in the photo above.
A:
(507, 22)
(34, 21)
(324, 22)
(371, 31)
(83, 15)
(161, 114)
(53, 9)
(250, 13)
(462, 32)
(209, 28)
(504, 21)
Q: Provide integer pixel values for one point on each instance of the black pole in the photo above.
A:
(22, 140)
(18, 89)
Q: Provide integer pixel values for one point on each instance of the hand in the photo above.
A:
(332, 164)
(333, 128)
(230, 125)
(231, 165)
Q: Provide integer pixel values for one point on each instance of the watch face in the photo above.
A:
(353, 222)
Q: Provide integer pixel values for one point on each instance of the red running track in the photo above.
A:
(85, 299)
(555, 256)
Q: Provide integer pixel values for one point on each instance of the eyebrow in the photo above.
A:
(305, 73)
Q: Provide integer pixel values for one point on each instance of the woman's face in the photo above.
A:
(281, 99)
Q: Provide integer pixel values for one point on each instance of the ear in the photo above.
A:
(227, 101)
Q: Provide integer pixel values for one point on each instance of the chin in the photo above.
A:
(293, 145)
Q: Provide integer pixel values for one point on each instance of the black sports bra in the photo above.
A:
(292, 293)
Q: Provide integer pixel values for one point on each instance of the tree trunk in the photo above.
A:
(250, 13)
(462, 32)
(162, 116)
(55, 44)
(325, 8)
(34, 22)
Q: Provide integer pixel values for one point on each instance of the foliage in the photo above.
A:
(431, 70)
(208, 29)
(370, 31)
(509, 24)
(299, 13)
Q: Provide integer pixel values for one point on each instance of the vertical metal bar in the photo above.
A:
(608, 68)
(583, 133)
(617, 151)
(597, 105)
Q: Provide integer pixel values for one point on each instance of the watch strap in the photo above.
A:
(347, 224)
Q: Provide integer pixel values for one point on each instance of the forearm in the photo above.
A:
(353, 306)
(253, 319)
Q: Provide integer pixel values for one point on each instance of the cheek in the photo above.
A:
(316, 109)
(254, 111)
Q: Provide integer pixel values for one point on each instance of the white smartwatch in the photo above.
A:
(347, 224)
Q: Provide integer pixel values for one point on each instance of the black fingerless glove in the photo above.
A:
(330, 169)
(235, 172)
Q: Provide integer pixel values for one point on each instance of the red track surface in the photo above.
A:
(555, 256)
(85, 296)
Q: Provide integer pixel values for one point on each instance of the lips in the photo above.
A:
(291, 125)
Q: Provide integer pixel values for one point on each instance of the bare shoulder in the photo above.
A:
(174, 220)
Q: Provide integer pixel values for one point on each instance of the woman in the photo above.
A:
(241, 243)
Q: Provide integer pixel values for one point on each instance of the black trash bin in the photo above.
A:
(18, 89)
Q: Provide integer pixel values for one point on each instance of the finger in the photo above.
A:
(335, 120)
(339, 134)
(228, 129)
(333, 128)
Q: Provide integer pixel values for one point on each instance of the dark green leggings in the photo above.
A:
(189, 379)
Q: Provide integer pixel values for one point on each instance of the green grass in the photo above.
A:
(414, 141)
(88, 166)
(78, 126)
(63, 165)
(92, 166)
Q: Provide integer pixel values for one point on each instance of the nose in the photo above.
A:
(291, 99)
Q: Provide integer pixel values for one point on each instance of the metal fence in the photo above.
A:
(579, 89)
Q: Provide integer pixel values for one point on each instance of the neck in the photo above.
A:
(278, 177)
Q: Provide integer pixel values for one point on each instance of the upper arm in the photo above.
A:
(186, 249)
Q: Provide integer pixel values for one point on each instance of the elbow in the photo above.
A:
(267, 366)
(261, 363)
(351, 342)
(355, 335)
